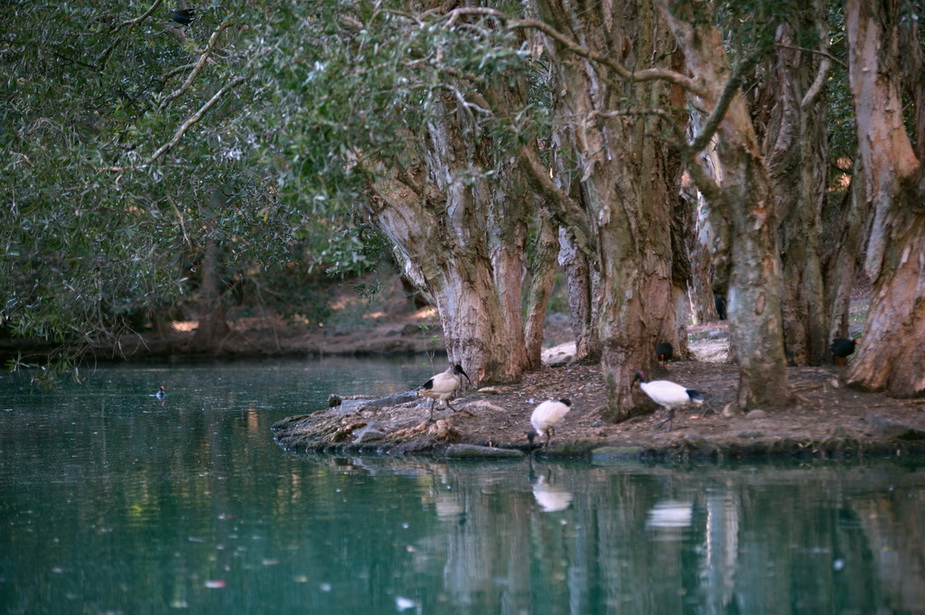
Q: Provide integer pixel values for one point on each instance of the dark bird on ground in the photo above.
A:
(183, 16)
(664, 352)
(546, 417)
(719, 302)
(842, 348)
(668, 395)
(442, 386)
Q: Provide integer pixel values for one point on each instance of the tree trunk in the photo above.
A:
(630, 180)
(211, 326)
(741, 208)
(705, 295)
(461, 236)
(545, 251)
(882, 46)
(795, 147)
(582, 284)
(843, 266)
(582, 279)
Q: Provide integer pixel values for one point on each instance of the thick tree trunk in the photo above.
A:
(795, 147)
(882, 46)
(741, 208)
(629, 181)
(461, 236)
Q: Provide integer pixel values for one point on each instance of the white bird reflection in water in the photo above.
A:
(549, 494)
(670, 515)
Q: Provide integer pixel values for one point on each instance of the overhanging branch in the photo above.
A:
(722, 105)
(194, 119)
(213, 40)
(565, 209)
(648, 74)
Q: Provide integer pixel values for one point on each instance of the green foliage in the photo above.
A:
(98, 226)
(372, 76)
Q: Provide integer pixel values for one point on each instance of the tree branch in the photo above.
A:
(648, 74)
(722, 105)
(131, 23)
(821, 52)
(213, 40)
(567, 211)
(178, 135)
(194, 119)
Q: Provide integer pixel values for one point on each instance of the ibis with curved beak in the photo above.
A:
(668, 395)
(546, 417)
(442, 386)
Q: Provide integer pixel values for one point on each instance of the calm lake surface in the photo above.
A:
(114, 502)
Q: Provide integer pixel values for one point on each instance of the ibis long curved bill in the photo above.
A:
(442, 386)
(669, 395)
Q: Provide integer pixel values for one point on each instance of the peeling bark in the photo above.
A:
(741, 209)
(890, 356)
(795, 146)
(629, 179)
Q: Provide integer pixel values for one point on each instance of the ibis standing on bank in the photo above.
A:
(668, 395)
(546, 417)
(442, 386)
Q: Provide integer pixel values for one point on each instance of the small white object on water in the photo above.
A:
(670, 514)
(403, 604)
(838, 564)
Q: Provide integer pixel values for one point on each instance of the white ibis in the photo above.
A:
(442, 387)
(842, 348)
(668, 395)
(546, 417)
(664, 352)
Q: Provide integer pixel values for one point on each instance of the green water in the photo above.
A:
(112, 502)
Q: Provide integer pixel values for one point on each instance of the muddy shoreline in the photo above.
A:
(824, 421)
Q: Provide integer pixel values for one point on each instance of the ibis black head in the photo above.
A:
(459, 371)
(530, 436)
(566, 401)
(640, 376)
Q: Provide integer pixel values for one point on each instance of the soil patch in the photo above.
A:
(824, 420)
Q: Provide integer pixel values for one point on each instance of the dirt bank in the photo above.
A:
(824, 420)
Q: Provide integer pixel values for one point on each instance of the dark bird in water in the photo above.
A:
(183, 16)
(842, 348)
(546, 417)
(668, 395)
(442, 386)
(664, 352)
(160, 395)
